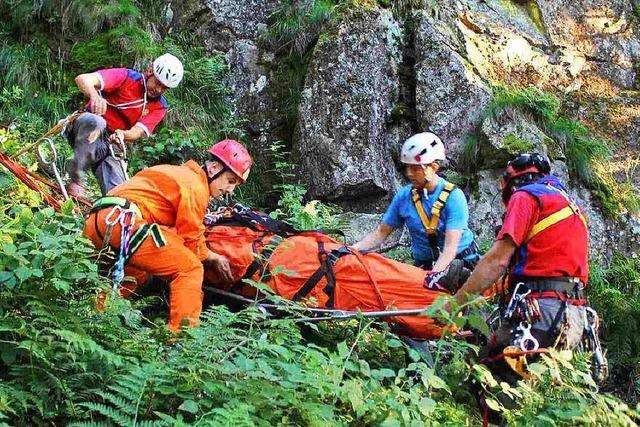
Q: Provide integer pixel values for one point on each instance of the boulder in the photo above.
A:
(221, 23)
(507, 133)
(601, 30)
(349, 93)
(358, 225)
(450, 96)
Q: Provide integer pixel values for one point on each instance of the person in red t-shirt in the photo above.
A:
(543, 244)
(124, 105)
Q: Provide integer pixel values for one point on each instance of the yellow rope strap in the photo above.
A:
(431, 226)
(555, 218)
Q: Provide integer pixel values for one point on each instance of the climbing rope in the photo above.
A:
(46, 188)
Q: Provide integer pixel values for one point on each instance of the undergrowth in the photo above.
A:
(567, 139)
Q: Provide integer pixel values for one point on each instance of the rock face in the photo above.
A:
(349, 95)
(450, 97)
(234, 28)
(508, 133)
(221, 23)
(375, 78)
(359, 225)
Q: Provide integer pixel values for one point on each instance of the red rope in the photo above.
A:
(31, 180)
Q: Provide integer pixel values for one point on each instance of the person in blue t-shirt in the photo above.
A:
(438, 236)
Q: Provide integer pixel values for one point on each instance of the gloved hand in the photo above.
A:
(432, 278)
(449, 279)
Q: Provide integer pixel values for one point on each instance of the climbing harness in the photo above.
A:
(125, 214)
(127, 219)
(559, 215)
(136, 103)
(431, 225)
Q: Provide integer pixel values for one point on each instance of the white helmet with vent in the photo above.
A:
(168, 69)
(422, 149)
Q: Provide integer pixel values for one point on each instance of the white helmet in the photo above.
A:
(422, 149)
(168, 69)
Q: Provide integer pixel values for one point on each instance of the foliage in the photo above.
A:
(568, 139)
(64, 362)
(296, 25)
(614, 291)
(303, 216)
(36, 76)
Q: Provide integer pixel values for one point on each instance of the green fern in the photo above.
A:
(295, 25)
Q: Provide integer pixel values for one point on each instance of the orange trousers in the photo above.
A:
(173, 262)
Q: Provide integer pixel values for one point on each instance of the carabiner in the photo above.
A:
(112, 219)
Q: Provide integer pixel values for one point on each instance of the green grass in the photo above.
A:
(296, 25)
(567, 139)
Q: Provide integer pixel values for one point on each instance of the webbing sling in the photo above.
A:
(555, 218)
(327, 261)
(260, 261)
(141, 233)
(431, 225)
(108, 202)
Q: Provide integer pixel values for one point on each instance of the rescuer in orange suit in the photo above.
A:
(161, 210)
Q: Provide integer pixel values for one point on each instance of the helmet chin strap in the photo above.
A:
(210, 179)
(426, 180)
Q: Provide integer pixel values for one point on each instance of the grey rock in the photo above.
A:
(601, 30)
(349, 93)
(485, 206)
(249, 79)
(508, 133)
(358, 225)
(221, 23)
(450, 97)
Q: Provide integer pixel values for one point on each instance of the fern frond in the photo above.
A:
(113, 414)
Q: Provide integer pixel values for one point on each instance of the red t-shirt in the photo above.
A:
(124, 91)
(559, 251)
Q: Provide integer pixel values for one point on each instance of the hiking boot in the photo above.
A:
(452, 277)
(75, 190)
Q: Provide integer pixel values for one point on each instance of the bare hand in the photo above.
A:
(98, 105)
(221, 265)
(117, 137)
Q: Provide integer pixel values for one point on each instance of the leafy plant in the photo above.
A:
(614, 291)
(568, 139)
(296, 25)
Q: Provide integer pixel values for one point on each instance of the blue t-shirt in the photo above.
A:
(454, 216)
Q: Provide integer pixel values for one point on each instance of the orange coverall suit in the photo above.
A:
(175, 198)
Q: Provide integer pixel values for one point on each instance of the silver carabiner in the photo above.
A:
(527, 342)
(53, 164)
(132, 218)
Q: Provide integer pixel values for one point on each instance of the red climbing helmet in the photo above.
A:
(234, 156)
(522, 170)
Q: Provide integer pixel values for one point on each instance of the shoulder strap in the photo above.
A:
(439, 204)
(556, 217)
(431, 225)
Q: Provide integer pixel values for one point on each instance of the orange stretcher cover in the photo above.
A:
(368, 282)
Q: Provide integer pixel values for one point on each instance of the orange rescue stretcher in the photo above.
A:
(315, 270)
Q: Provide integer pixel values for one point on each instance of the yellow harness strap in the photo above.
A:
(555, 218)
(431, 225)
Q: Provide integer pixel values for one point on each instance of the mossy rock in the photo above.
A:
(514, 144)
